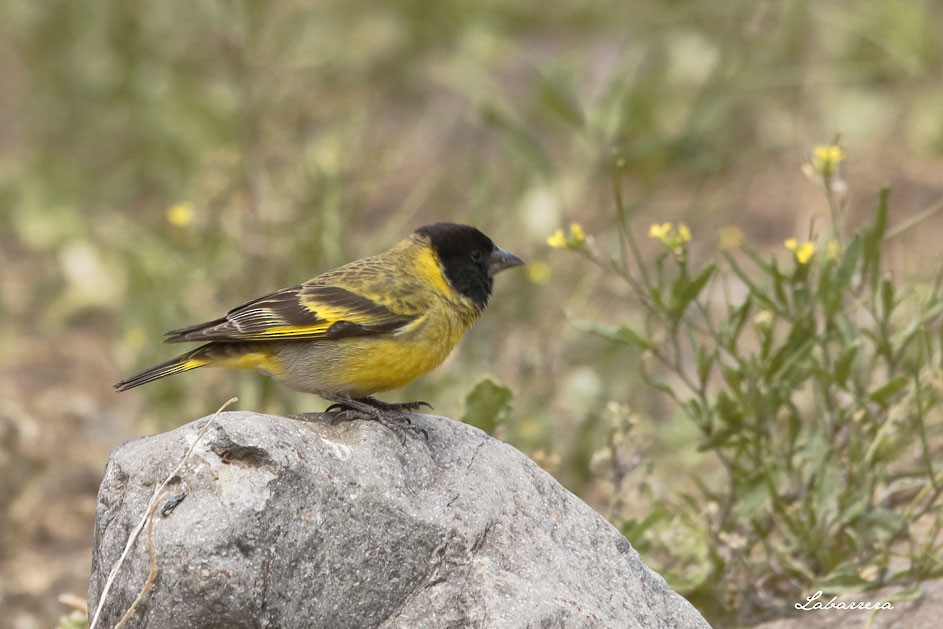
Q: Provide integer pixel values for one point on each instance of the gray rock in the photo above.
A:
(284, 523)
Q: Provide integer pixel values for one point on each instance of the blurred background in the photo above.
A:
(161, 162)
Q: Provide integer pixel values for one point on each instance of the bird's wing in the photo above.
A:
(307, 312)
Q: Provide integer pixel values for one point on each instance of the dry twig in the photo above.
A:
(147, 519)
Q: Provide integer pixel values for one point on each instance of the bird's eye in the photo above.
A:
(477, 255)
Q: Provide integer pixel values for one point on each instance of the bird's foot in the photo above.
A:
(390, 415)
(397, 406)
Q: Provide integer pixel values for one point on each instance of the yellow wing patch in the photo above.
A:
(306, 312)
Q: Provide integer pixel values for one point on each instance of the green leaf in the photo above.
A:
(685, 291)
(832, 292)
(794, 351)
(843, 364)
(826, 493)
(633, 528)
(622, 334)
(880, 215)
(886, 520)
(887, 298)
(727, 409)
(873, 238)
(881, 394)
(73, 621)
(844, 581)
(755, 291)
(900, 340)
(778, 280)
(849, 263)
(733, 374)
(705, 362)
(718, 440)
(731, 327)
(752, 499)
(697, 413)
(487, 404)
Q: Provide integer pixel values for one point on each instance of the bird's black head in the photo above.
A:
(469, 259)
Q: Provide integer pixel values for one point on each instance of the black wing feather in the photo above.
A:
(293, 313)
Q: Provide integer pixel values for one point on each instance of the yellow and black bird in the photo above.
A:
(371, 325)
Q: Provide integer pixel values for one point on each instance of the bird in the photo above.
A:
(368, 326)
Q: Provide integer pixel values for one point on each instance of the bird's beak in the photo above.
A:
(500, 260)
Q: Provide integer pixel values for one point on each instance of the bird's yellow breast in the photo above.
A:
(358, 367)
(377, 364)
(384, 365)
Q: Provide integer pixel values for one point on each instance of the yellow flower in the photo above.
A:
(803, 252)
(557, 239)
(660, 232)
(673, 239)
(825, 158)
(576, 239)
(576, 233)
(763, 319)
(539, 272)
(730, 237)
(181, 214)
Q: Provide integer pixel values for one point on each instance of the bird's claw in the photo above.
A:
(389, 414)
(397, 406)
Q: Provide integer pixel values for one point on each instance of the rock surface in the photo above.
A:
(284, 523)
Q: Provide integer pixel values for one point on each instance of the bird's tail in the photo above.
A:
(185, 362)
